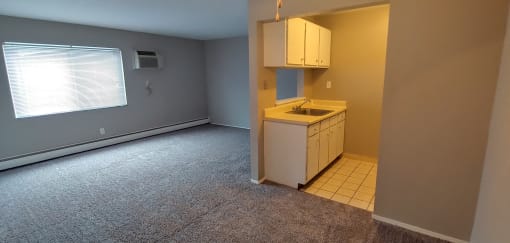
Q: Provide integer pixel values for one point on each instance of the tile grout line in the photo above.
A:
(359, 186)
(333, 172)
(346, 181)
(340, 186)
(357, 189)
(348, 176)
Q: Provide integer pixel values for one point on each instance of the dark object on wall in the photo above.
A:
(147, 60)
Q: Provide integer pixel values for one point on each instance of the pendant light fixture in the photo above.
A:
(279, 4)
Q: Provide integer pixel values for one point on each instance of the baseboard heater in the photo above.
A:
(40, 156)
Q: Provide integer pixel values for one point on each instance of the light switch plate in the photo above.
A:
(328, 84)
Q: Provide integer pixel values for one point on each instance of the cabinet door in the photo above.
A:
(340, 137)
(333, 133)
(324, 47)
(312, 160)
(323, 149)
(312, 44)
(295, 41)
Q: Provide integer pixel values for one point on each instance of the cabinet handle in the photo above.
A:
(317, 60)
(322, 61)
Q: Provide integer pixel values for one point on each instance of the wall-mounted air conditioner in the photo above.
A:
(147, 59)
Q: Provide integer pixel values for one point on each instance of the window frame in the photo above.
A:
(72, 70)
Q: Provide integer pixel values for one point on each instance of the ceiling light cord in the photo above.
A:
(279, 4)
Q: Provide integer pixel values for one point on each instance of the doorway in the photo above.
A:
(355, 75)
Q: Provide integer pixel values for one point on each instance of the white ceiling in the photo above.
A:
(196, 19)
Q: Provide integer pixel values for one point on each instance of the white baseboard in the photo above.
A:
(417, 229)
(360, 157)
(226, 125)
(258, 181)
(72, 149)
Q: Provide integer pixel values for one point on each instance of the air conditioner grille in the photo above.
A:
(147, 59)
(146, 53)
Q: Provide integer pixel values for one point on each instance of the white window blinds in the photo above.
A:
(49, 79)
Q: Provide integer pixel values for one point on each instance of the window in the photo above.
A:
(51, 79)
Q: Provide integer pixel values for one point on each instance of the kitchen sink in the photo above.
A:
(309, 112)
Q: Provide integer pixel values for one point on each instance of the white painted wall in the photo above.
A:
(493, 210)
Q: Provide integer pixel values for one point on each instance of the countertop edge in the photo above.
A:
(304, 123)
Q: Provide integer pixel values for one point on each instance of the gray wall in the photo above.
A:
(178, 96)
(286, 83)
(439, 87)
(227, 81)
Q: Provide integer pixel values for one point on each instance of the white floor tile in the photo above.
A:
(358, 203)
(324, 194)
(347, 181)
(346, 192)
(311, 190)
(367, 190)
(370, 207)
(363, 196)
(354, 180)
(341, 198)
(330, 187)
(358, 175)
(337, 182)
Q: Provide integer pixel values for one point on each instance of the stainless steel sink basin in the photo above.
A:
(309, 112)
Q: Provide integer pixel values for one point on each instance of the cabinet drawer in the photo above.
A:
(314, 129)
(341, 116)
(325, 124)
(333, 120)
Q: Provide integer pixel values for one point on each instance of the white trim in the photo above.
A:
(417, 229)
(289, 100)
(225, 125)
(258, 182)
(59, 152)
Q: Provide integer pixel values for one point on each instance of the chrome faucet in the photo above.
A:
(298, 107)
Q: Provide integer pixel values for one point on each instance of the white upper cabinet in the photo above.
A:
(324, 47)
(296, 43)
(312, 44)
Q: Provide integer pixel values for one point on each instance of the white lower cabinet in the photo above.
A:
(295, 154)
(340, 137)
(323, 149)
(332, 144)
(312, 159)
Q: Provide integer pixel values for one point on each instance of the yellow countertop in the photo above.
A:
(279, 114)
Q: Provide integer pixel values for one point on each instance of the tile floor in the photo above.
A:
(347, 181)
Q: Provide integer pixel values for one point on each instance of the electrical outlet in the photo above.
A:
(102, 131)
(328, 84)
